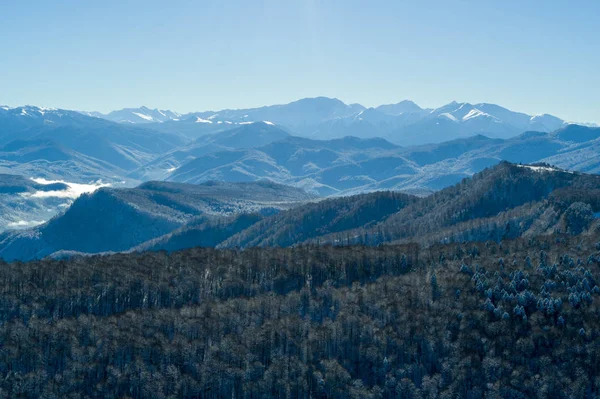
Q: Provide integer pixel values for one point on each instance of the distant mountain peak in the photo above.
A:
(577, 133)
(447, 108)
(320, 100)
(325, 117)
(402, 107)
(142, 114)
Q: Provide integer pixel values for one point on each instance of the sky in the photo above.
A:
(530, 56)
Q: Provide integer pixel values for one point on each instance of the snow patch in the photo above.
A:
(246, 123)
(269, 123)
(449, 116)
(586, 124)
(43, 110)
(24, 223)
(474, 113)
(200, 120)
(540, 169)
(462, 105)
(143, 116)
(538, 116)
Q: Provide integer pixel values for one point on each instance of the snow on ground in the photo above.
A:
(449, 116)
(539, 116)
(146, 117)
(542, 168)
(474, 113)
(74, 190)
(24, 223)
(269, 123)
(200, 120)
(538, 168)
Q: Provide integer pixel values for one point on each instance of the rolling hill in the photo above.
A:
(505, 201)
(119, 219)
(118, 146)
(324, 167)
(352, 165)
(237, 137)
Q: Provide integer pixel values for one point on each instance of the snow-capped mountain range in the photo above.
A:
(137, 115)
(403, 123)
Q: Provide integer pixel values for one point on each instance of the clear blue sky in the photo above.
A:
(533, 56)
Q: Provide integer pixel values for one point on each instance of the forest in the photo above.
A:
(510, 319)
(502, 202)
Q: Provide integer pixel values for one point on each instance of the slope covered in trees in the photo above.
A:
(314, 220)
(513, 319)
(119, 219)
(204, 232)
(505, 201)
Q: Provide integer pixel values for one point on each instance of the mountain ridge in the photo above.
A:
(352, 165)
(502, 202)
(119, 219)
(402, 122)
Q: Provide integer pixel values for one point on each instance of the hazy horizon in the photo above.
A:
(591, 123)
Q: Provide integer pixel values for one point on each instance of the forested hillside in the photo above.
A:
(203, 232)
(314, 220)
(506, 201)
(503, 202)
(514, 319)
(120, 219)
